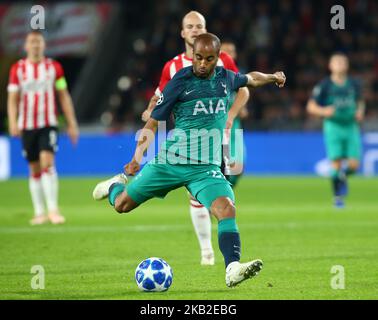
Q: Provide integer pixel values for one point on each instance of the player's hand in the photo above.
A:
(73, 133)
(131, 168)
(14, 131)
(328, 112)
(146, 115)
(280, 78)
(359, 115)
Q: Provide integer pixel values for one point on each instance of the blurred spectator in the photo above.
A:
(293, 36)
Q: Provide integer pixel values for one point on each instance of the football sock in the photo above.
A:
(49, 181)
(202, 224)
(114, 191)
(336, 182)
(36, 191)
(229, 240)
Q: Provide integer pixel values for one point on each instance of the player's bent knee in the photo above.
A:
(120, 204)
(124, 204)
(223, 207)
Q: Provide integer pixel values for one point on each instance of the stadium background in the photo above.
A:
(113, 53)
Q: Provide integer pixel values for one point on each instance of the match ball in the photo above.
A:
(153, 275)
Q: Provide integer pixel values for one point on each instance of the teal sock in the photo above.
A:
(114, 191)
(229, 240)
(336, 182)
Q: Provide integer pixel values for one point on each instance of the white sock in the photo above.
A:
(202, 225)
(50, 188)
(36, 191)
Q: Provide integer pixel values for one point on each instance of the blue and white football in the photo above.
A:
(153, 275)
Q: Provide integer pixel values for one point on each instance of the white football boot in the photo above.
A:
(207, 258)
(237, 272)
(101, 190)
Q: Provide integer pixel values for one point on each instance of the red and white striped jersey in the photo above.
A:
(182, 61)
(36, 84)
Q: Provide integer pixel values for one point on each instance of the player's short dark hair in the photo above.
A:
(338, 53)
(208, 39)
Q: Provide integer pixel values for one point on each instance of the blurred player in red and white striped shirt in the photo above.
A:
(33, 84)
(194, 24)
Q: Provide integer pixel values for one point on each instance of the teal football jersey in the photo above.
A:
(200, 108)
(343, 97)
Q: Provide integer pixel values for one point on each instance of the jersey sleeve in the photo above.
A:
(318, 94)
(164, 79)
(236, 80)
(60, 80)
(168, 99)
(228, 62)
(14, 82)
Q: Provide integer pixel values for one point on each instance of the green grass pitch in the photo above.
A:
(288, 222)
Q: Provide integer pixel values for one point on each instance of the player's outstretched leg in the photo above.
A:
(229, 243)
(202, 226)
(114, 190)
(101, 191)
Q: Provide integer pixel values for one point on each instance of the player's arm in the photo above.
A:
(258, 79)
(13, 100)
(146, 136)
(66, 103)
(315, 109)
(240, 101)
(238, 108)
(69, 114)
(316, 105)
(151, 105)
(12, 106)
(161, 112)
(164, 79)
(360, 113)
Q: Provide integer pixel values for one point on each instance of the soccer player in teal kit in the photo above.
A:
(339, 101)
(198, 97)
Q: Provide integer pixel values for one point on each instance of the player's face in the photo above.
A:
(339, 64)
(230, 49)
(35, 45)
(192, 27)
(204, 60)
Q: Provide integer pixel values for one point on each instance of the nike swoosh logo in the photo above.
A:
(187, 92)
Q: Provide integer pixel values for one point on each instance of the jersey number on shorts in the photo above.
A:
(216, 174)
(53, 139)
